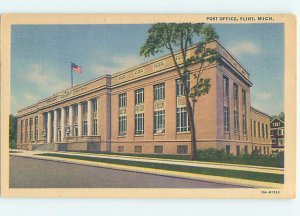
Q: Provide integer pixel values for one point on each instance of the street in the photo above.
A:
(35, 173)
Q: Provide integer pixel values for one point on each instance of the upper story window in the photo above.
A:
(95, 105)
(139, 96)
(36, 121)
(226, 103)
(76, 109)
(159, 91)
(179, 86)
(263, 130)
(123, 100)
(236, 107)
(254, 128)
(244, 111)
(225, 86)
(84, 108)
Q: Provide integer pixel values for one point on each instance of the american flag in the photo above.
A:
(76, 68)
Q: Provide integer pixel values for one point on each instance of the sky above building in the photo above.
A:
(41, 57)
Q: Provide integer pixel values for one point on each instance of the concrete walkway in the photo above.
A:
(217, 179)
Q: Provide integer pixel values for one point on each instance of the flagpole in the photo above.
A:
(71, 76)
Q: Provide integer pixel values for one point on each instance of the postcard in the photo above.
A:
(148, 105)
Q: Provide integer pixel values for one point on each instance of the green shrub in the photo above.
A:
(214, 155)
(13, 144)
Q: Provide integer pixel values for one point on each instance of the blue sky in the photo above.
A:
(42, 54)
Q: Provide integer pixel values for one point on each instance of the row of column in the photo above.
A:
(71, 122)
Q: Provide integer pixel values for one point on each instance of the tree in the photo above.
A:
(171, 36)
(12, 130)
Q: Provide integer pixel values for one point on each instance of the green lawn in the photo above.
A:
(266, 177)
(217, 156)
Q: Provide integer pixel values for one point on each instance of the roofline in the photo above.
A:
(278, 119)
(74, 87)
(260, 111)
(132, 68)
(230, 53)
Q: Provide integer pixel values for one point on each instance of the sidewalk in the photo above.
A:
(217, 179)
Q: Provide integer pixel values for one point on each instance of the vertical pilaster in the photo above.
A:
(79, 119)
(89, 118)
(49, 127)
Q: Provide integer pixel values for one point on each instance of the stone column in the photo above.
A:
(79, 119)
(89, 118)
(71, 120)
(49, 127)
(55, 127)
(62, 124)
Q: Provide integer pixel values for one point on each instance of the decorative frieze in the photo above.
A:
(181, 102)
(122, 111)
(179, 58)
(139, 108)
(159, 105)
(122, 77)
(159, 65)
(138, 72)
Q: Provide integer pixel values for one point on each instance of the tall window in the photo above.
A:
(26, 130)
(36, 119)
(67, 112)
(122, 125)
(95, 105)
(122, 114)
(122, 100)
(84, 108)
(139, 114)
(159, 121)
(84, 127)
(226, 103)
(251, 128)
(139, 96)
(139, 123)
(179, 86)
(159, 92)
(267, 131)
(244, 112)
(182, 122)
(31, 128)
(254, 129)
(76, 109)
(263, 130)
(95, 131)
(236, 107)
(159, 111)
(22, 131)
(258, 128)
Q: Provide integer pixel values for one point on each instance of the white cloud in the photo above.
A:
(116, 64)
(263, 95)
(31, 97)
(45, 81)
(245, 47)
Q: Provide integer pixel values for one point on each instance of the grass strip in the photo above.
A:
(265, 177)
(234, 160)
